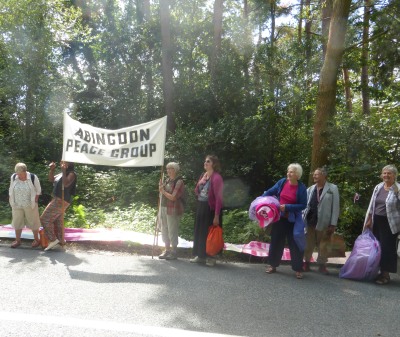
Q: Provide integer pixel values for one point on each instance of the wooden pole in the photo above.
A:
(155, 238)
(62, 209)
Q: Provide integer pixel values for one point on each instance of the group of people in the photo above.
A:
(209, 194)
(308, 217)
(24, 192)
(315, 209)
(318, 207)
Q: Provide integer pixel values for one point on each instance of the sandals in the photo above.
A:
(35, 244)
(272, 270)
(16, 244)
(299, 275)
(382, 280)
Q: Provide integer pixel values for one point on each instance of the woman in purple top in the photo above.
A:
(292, 196)
(209, 191)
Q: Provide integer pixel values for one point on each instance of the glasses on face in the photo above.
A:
(207, 161)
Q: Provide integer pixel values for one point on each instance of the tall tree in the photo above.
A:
(326, 13)
(217, 37)
(364, 58)
(326, 100)
(168, 84)
(347, 89)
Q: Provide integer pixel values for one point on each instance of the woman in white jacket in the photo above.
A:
(24, 194)
(383, 217)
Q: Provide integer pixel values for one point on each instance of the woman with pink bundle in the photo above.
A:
(292, 196)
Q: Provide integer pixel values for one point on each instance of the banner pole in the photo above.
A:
(62, 209)
(155, 239)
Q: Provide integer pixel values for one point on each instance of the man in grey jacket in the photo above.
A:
(320, 217)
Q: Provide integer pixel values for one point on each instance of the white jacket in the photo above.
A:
(35, 188)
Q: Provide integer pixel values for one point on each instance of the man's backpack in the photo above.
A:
(32, 177)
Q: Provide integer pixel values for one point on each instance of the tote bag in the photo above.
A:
(215, 240)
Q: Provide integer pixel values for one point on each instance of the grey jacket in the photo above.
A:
(392, 206)
(328, 206)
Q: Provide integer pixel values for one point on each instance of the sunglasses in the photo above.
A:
(207, 161)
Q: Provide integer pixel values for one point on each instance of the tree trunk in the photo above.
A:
(347, 90)
(364, 58)
(258, 87)
(217, 40)
(326, 13)
(166, 64)
(271, 77)
(326, 98)
(308, 32)
(142, 10)
(143, 18)
(308, 51)
(248, 48)
(300, 25)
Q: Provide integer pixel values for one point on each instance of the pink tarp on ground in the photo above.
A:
(254, 248)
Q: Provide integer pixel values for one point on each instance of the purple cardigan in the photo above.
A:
(215, 193)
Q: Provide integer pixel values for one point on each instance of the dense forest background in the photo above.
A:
(260, 83)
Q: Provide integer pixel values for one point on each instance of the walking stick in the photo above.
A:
(155, 238)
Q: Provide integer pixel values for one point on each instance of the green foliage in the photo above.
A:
(253, 232)
(78, 218)
(5, 214)
(186, 226)
(238, 228)
(139, 218)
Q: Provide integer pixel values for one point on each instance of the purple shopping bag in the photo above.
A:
(363, 262)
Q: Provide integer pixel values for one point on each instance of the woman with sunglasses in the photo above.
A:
(209, 192)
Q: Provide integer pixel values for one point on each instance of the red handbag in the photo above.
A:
(215, 240)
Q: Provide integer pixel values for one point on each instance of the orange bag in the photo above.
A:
(44, 242)
(215, 240)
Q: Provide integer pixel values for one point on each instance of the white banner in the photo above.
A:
(139, 145)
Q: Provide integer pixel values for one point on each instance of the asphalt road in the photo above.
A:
(100, 293)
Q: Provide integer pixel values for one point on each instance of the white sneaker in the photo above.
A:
(52, 244)
(197, 259)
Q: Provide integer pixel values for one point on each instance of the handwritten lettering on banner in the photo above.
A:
(139, 145)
